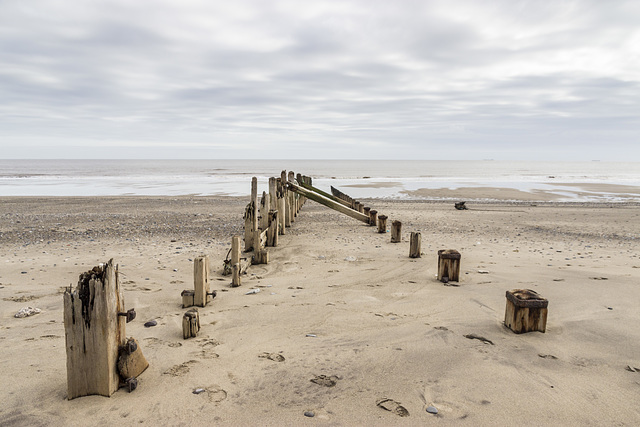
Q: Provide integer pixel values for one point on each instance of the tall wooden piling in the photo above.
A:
(293, 212)
(396, 232)
(414, 245)
(201, 279)
(281, 206)
(94, 331)
(265, 207)
(235, 261)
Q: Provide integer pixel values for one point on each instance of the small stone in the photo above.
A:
(311, 335)
(350, 258)
(432, 409)
(26, 312)
(150, 323)
(198, 391)
(23, 272)
(309, 414)
(609, 308)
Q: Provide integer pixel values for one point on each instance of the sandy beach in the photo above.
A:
(336, 300)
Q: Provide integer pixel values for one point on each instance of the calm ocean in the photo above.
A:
(374, 178)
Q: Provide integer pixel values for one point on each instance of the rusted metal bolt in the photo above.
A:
(130, 314)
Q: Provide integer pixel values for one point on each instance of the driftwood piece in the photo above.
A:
(190, 323)
(201, 280)
(382, 224)
(396, 232)
(94, 332)
(448, 265)
(414, 245)
(526, 311)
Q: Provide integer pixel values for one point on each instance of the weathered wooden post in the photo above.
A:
(95, 337)
(367, 210)
(235, 261)
(396, 232)
(292, 198)
(373, 218)
(251, 217)
(265, 206)
(448, 265)
(281, 207)
(273, 193)
(360, 207)
(382, 224)
(190, 323)
(526, 311)
(261, 257)
(286, 200)
(414, 245)
(201, 280)
(272, 231)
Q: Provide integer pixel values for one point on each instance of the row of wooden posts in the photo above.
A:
(100, 357)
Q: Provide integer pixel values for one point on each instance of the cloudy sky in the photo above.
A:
(453, 79)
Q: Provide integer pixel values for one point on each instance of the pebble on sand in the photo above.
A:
(150, 323)
(309, 414)
(27, 311)
(432, 409)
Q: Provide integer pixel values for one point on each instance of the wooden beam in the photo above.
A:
(327, 202)
(325, 194)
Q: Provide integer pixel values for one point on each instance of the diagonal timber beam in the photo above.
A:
(312, 195)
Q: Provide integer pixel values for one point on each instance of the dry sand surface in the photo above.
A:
(342, 305)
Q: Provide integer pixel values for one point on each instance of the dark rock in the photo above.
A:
(150, 323)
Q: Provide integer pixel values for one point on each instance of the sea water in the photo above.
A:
(358, 178)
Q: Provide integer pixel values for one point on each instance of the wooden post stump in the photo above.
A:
(201, 280)
(261, 257)
(190, 323)
(414, 245)
(373, 218)
(366, 210)
(382, 224)
(187, 298)
(448, 265)
(94, 332)
(396, 232)
(526, 311)
(282, 208)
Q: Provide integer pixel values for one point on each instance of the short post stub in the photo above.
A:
(448, 265)
(235, 261)
(373, 218)
(382, 224)
(526, 311)
(415, 243)
(190, 323)
(396, 232)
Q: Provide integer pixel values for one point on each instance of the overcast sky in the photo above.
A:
(453, 79)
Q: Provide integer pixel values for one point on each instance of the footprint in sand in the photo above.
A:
(181, 369)
(154, 342)
(325, 380)
(273, 356)
(214, 393)
(24, 298)
(393, 406)
(205, 354)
